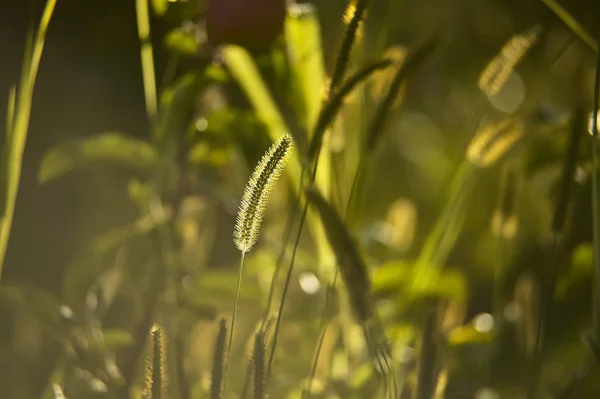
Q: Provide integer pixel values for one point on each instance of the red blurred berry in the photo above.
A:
(253, 24)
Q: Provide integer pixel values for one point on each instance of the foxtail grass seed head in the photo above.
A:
(156, 365)
(257, 193)
(497, 71)
(492, 142)
(349, 15)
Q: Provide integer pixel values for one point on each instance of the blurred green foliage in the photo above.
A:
(124, 221)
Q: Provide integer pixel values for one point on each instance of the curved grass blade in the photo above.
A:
(330, 110)
(413, 60)
(353, 268)
(572, 23)
(109, 147)
(20, 127)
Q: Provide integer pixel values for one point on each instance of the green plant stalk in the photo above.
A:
(572, 24)
(433, 254)
(146, 54)
(131, 361)
(595, 215)
(546, 302)
(57, 375)
(20, 128)
(233, 317)
(436, 247)
(329, 295)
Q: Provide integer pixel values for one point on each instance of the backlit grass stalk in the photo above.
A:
(558, 227)
(216, 381)
(18, 123)
(572, 24)
(327, 114)
(147, 58)
(251, 211)
(259, 363)
(374, 133)
(490, 144)
(595, 214)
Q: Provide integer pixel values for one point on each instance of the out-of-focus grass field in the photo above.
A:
(443, 175)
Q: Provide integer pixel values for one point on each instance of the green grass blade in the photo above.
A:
(146, 53)
(572, 23)
(303, 39)
(595, 215)
(331, 109)
(20, 127)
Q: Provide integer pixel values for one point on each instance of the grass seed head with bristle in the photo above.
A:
(492, 142)
(156, 365)
(499, 69)
(257, 193)
(219, 354)
(354, 16)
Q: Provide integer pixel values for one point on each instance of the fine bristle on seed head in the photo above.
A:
(257, 192)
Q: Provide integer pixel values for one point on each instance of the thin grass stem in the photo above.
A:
(572, 24)
(233, 317)
(595, 215)
(147, 58)
(546, 302)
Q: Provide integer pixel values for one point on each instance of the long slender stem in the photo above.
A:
(235, 306)
(286, 237)
(572, 23)
(595, 222)
(331, 287)
(546, 304)
(146, 54)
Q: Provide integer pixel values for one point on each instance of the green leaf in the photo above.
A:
(90, 264)
(465, 335)
(331, 109)
(217, 288)
(412, 282)
(115, 338)
(203, 153)
(582, 266)
(108, 147)
(303, 39)
(182, 42)
(159, 7)
(413, 60)
(178, 104)
(38, 304)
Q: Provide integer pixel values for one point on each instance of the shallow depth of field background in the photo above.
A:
(90, 81)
